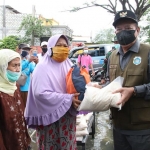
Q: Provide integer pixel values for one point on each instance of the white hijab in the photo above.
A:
(6, 55)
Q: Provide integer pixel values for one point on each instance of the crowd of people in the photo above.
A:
(33, 92)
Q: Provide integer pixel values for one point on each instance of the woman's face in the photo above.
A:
(14, 65)
(61, 42)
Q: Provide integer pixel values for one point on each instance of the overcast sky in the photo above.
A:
(84, 22)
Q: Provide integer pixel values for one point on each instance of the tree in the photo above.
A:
(145, 28)
(10, 42)
(112, 6)
(104, 36)
(33, 28)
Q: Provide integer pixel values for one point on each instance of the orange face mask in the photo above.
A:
(60, 53)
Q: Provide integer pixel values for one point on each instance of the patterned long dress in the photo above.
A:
(13, 131)
(60, 135)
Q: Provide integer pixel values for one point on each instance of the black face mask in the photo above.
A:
(126, 37)
(44, 50)
(24, 53)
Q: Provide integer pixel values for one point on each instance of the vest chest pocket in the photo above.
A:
(134, 77)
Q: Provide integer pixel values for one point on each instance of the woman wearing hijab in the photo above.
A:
(13, 131)
(49, 108)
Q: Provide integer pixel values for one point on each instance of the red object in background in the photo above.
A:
(77, 44)
(80, 44)
(38, 48)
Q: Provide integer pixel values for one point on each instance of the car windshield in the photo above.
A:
(93, 52)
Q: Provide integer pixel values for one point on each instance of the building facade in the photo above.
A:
(13, 19)
(10, 22)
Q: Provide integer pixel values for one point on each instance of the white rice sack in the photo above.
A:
(82, 133)
(96, 99)
(79, 116)
(78, 120)
(82, 125)
(88, 116)
(79, 138)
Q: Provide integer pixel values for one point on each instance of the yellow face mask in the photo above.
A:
(60, 53)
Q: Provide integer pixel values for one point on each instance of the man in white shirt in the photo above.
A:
(44, 50)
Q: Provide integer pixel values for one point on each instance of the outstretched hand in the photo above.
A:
(126, 93)
(75, 101)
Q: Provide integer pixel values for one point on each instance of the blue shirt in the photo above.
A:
(27, 69)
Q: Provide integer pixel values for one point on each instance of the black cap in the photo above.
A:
(24, 46)
(125, 14)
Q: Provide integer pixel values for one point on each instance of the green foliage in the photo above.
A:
(10, 42)
(104, 36)
(33, 28)
(145, 30)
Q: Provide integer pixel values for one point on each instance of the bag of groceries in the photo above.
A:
(96, 99)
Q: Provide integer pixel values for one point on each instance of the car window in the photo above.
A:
(77, 53)
(102, 51)
(93, 53)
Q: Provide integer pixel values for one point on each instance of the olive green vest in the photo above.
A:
(135, 114)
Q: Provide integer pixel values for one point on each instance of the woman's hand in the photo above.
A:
(75, 101)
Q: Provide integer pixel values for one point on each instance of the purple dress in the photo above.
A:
(49, 107)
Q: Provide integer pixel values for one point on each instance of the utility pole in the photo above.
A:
(4, 20)
(32, 36)
(33, 10)
(91, 36)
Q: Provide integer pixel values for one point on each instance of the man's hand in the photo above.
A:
(31, 59)
(126, 93)
(75, 101)
(36, 60)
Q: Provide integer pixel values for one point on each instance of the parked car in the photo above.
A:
(97, 52)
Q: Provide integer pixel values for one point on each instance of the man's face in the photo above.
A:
(127, 32)
(115, 42)
(26, 49)
(127, 24)
(44, 46)
(86, 48)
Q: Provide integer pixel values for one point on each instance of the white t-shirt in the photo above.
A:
(40, 57)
